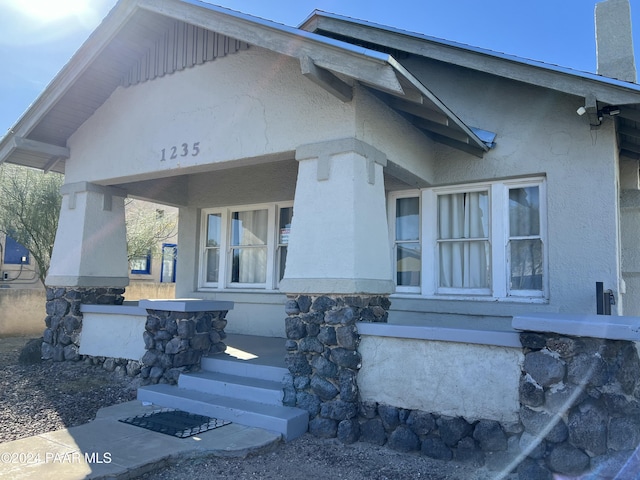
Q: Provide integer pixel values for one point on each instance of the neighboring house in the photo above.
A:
(17, 268)
(153, 221)
(357, 163)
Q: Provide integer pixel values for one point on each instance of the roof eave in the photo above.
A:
(573, 82)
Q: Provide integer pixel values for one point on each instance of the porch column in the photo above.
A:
(338, 273)
(90, 249)
(339, 241)
(88, 265)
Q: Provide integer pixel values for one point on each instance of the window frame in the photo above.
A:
(498, 224)
(142, 271)
(226, 248)
(542, 197)
(392, 212)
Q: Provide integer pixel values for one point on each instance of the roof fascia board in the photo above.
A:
(363, 64)
(61, 83)
(473, 138)
(566, 80)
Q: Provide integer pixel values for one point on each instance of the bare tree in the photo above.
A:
(30, 203)
(29, 209)
(148, 225)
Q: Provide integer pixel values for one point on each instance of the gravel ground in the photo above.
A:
(48, 396)
(42, 397)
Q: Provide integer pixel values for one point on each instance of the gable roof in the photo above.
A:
(139, 40)
(602, 95)
(122, 51)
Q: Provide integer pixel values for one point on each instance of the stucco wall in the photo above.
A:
(113, 335)
(147, 290)
(245, 105)
(453, 379)
(22, 312)
(539, 133)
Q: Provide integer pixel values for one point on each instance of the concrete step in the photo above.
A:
(245, 388)
(243, 369)
(288, 421)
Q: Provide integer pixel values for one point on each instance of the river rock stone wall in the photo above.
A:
(176, 341)
(580, 398)
(480, 442)
(580, 405)
(323, 359)
(64, 319)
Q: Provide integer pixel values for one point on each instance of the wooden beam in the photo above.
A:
(629, 132)
(630, 147)
(449, 132)
(630, 114)
(34, 146)
(326, 80)
(51, 163)
(420, 111)
(465, 147)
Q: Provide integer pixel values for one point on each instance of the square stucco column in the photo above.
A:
(339, 241)
(90, 249)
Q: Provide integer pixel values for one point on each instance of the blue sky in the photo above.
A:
(36, 40)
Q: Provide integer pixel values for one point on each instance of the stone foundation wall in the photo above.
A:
(323, 359)
(483, 442)
(579, 397)
(580, 402)
(64, 319)
(176, 341)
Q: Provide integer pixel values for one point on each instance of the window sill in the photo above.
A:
(472, 298)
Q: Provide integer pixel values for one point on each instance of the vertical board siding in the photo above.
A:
(182, 46)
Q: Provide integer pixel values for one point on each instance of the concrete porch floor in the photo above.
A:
(254, 350)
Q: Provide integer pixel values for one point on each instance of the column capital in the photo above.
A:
(323, 151)
(338, 146)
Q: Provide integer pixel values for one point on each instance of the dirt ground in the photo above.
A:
(45, 396)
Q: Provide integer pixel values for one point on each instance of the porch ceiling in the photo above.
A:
(122, 51)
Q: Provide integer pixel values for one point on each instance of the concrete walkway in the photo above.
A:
(108, 448)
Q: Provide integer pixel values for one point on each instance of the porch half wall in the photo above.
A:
(474, 381)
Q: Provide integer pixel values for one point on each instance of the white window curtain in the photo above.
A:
(463, 227)
(249, 232)
(525, 244)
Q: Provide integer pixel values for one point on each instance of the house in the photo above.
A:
(404, 200)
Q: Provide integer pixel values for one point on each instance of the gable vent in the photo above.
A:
(182, 46)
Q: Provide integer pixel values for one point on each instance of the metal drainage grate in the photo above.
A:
(175, 422)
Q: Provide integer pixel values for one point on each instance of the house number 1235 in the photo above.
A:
(180, 151)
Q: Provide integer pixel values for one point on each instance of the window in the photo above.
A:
(245, 247)
(463, 241)
(407, 250)
(284, 229)
(169, 260)
(483, 240)
(141, 264)
(525, 252)
(14, 252)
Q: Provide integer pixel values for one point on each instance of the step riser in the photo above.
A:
(289, 428)
(234, 390)
(265, 372)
